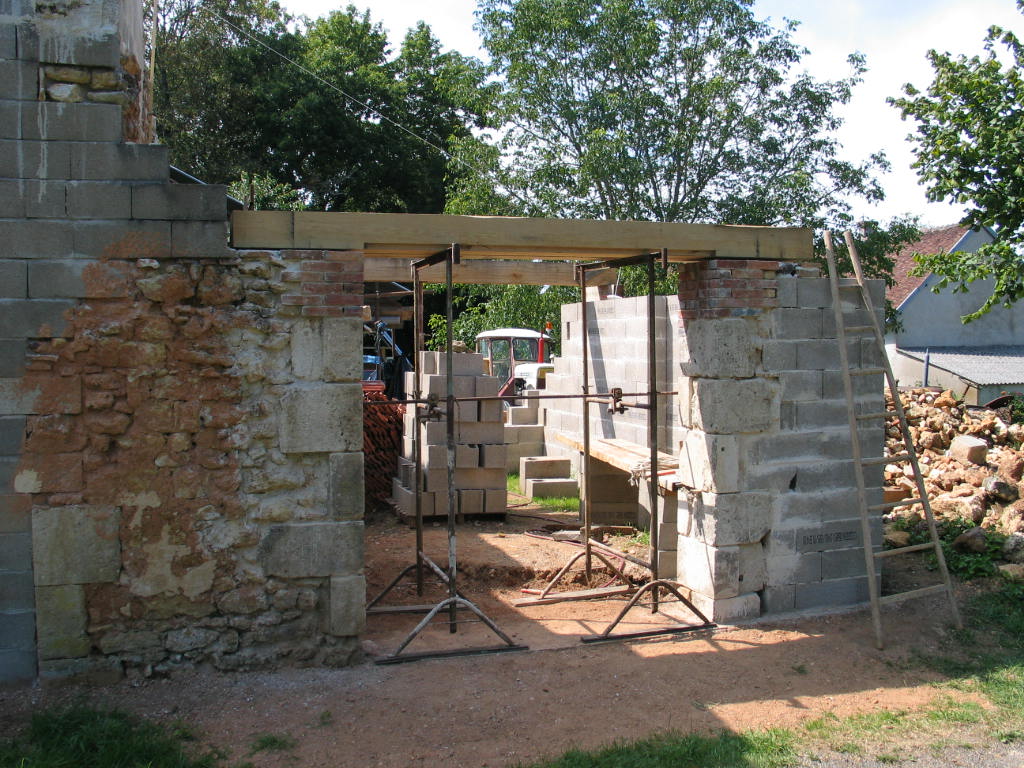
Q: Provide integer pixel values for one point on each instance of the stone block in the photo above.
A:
(721, 348)
(779, 355)
(15, 513)
(35, 159)
(471, 501)
(44, 199)
(93, 670)
(104, 161)
(548, 487)
(98, 200)
(730, 609)
(61, 622)
(307, 349)
(801, 386)
(95, 50)
(13, 279)
(786, 291)
(346, 486)
(726, 519)
(185, 202)
(35, 239)
(56, 279)
(729, 406)
(709, 462)
(56, 121)
(16, 399)
(347, 605)
(12, 364)
(712, 571)
(842, 563)
(16, 666)
(968, 449)
(493, 456)
(49, 473)
(18, 80)
(16, 591)
(309, 550)
(26, 319)
(828, 594)
(793, 569)
(15, 552)
(342, 348)
(12, 433)
(323, 419)
(18, 630)
(8, 33)
(12, 192)
(495, 501)
(76, 545)
(199, 239)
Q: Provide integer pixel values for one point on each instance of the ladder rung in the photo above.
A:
(866, 371)
(893, 505)
(879, 415)
(901, 550)
(899, 598)
(885, 459)
(859, 328)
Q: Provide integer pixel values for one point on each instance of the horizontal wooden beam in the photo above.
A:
(400, 234)
(385, 270)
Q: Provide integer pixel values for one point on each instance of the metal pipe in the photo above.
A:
(585, 469)
(483, 398)
(652, 421)
(417, 449)
(452, 257)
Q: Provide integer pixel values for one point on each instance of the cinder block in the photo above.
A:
(547, 487)
(57, 121)
(717, 348)
(18, 79)
(543, 466)
(495, 501)
(793, 569)
(16, 591)
(521, 415)
(346, 486)
(56, 279)
(199, 239)
(482, 432)
(76, 544)
(814, 292)
(61, 622)
(842, 563)
(778, 599)
(523, 433)
(45, 199)
(8, 468)
(12, 196)
(732, 406)
(821, 414)
(471, 501)
(786, 291)
(8, 32)
(799, 386)
(35, 239)
(101, 161)
(427, 363)
(10, 119)
(726, 519)
(35, 159)
(98, 200)
(57, 46)
(36, 318)
(309, 550)
(493, 456)
(188, 202)
(486, 386)
(491, 410)
(13, 279)
(15, 552)
(824, 354)
(836, 592)
(18, 630)
(323, 419)
(779, 355)
(348, 605)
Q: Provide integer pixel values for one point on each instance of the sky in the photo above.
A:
(895, 35)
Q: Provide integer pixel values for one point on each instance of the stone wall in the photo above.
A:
(765, 519)
(180, 423)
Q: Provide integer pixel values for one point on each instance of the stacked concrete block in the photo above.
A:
(524, 432)
(546, 477)
(480, 451)
(768, 517)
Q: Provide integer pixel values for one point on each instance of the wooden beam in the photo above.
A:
(381, 270)
(518, 238)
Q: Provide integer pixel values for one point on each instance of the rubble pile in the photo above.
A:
(971, 460)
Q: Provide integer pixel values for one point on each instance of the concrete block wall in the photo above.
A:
(480, 450)
(767, 518)
(180, 423)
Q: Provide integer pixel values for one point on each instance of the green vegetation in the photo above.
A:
(964, 565)
(554, 503)
(91, 738)
(273, 742)
(970, 151)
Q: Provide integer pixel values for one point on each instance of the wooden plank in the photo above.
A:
(380, 270)
(625, 455)
(521, 238)
(578, 594)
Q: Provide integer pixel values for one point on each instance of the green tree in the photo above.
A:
(970, 150)
(664, 110)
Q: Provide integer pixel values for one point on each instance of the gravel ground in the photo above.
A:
(998, 756)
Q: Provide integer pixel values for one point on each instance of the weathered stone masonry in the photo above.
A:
(180, 423)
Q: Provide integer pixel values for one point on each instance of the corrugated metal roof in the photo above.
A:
(980, 365)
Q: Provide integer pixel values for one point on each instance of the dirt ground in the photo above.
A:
(508, 708)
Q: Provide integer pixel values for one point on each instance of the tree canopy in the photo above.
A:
(344, 123)
(969, 148)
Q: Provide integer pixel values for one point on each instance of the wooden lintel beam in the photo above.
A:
(381, 270)
(516, 238)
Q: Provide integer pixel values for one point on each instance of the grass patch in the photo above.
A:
(554, 503)
(273, 742)
(79, 736)
(765, 749)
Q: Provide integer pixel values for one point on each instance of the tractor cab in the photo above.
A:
(518, 357)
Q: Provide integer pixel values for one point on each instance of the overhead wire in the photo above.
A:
(436, 147)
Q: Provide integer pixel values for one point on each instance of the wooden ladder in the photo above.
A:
(860, 462)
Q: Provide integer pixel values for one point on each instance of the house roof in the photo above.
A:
(934, 240)
(979, 365)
